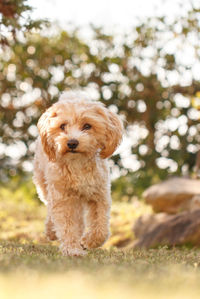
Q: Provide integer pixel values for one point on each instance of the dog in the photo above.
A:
(71, 173)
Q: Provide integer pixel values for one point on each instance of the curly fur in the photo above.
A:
(74, 183)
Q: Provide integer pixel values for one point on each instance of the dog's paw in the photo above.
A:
(68, 251)
(93, 240)
(51, 235)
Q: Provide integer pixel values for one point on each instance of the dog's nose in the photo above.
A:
(72, 144)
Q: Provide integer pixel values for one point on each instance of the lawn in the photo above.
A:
(35, 271)
(31, 267)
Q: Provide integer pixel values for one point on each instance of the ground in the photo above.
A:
(39, 271)
(31, 267)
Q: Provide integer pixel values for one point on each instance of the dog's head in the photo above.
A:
(79, 127)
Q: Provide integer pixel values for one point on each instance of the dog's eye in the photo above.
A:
(86, 127)
(62, 126)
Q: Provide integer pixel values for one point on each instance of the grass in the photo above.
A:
(29, 271)
(31, 267)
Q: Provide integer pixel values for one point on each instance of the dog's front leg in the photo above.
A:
(97, 221)
(50, 230)
(66, 215)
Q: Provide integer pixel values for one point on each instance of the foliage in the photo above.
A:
(15, 18)
(20, 191)
(21, 214)
(145, 75)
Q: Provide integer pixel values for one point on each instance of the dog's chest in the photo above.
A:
(84, 184)
(84, 180)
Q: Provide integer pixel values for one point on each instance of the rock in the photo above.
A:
(148, 222)
(174, 195)
(164, 229)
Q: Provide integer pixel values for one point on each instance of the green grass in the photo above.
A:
(28, 271)
(31, 267)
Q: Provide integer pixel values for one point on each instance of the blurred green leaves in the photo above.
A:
(149, 76)
(14, 18)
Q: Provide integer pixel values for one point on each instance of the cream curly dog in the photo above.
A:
(71, 174)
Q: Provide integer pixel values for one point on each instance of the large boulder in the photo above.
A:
(164, 229)
(174, 195)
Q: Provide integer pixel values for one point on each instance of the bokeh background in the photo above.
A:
(140, 60)
(148, 72)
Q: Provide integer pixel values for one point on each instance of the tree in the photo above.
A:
(145, 77)
(15, 18)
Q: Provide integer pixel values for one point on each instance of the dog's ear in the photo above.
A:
(114, 131)
(43, 127)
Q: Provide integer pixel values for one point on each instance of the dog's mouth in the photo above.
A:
(73, 152)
